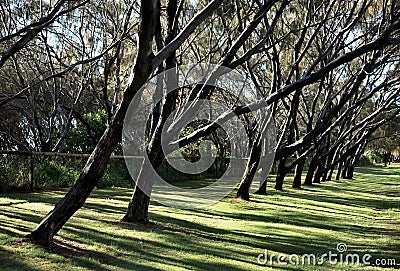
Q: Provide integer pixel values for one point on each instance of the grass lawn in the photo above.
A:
(363, 213)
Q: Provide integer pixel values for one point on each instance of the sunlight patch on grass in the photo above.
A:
(364, 213)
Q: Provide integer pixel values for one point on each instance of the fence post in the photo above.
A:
(31, 172)
(216, 167)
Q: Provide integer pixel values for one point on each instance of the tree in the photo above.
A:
(384, 142)
(145, 63)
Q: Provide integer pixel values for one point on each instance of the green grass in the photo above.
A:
(364, 213)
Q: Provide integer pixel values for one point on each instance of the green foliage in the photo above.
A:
(7, 173)
(365, 160)
(385, 142)
(374, 157)
(116, 174)
(63, 173)
(215, 171)
(50, 173)
(191, 152)
(79, 139)
(12, 177)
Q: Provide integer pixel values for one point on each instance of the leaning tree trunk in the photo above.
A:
(86, 182)
(250, 172)
(329, 175)
(138, 208)
(262, 190)
(329, 171)
(281, 174)
(298, 174)
(311, 169)
(350, 164)
(319, 172)
(339, 171)
(350, 171)
(96, 163)
(322, 168)
(345, 169)
(357, 156)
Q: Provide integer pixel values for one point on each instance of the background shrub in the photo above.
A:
(51, 173)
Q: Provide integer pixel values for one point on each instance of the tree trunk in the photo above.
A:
(298, 174)
(138, 208)
(311, 169)
(329, 171)
(262, 190)
(339, 171)
(280, 176)
(319, 174)
(329, 175)
(78, 194)
(345, 169)
(250, 172)
(385, 159)
(350, 171)
(96, 163)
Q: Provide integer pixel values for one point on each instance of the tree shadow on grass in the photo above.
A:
(173, 233)
(378, 170)
(10, 260)
(71, 248)
(351, 200)
(111, 244)
(161, 251)
(54, 196)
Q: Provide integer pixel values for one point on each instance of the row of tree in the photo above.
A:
(327, 70)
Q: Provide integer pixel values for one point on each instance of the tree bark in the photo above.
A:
(350, 171)
(262, 190)
(329, 175)
(250, 172)
(319, 172)
(345, 169)
(339, 171)
(139, 204)
(311, 169)
(298, 174)
(280, 176)
(138, 208)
